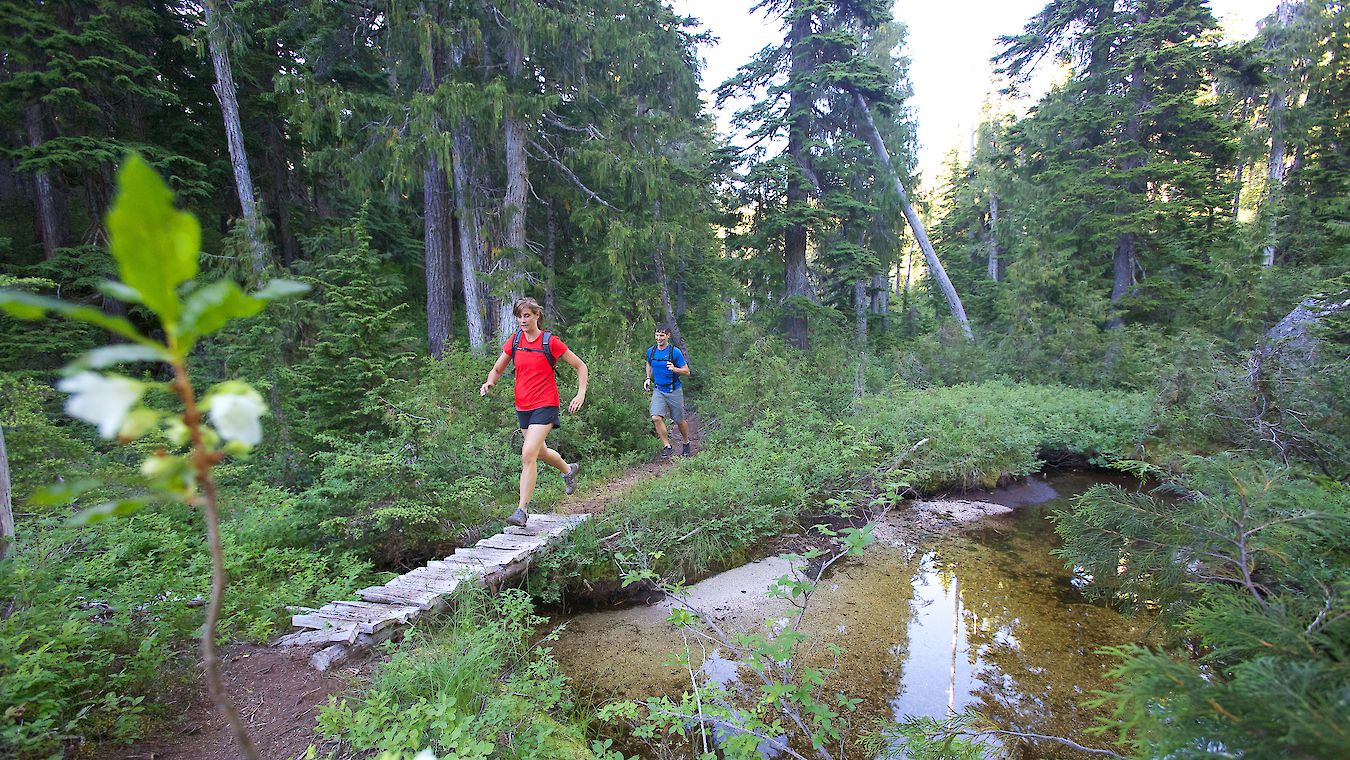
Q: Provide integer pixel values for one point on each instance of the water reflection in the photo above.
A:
(988, 619)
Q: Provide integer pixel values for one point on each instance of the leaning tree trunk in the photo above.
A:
(6, 503)
(50, 214)
(228, 96)
(794, 237)
(920, 234)
(860, 304)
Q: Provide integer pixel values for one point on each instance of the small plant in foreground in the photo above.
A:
(781, 703)
(156, 248)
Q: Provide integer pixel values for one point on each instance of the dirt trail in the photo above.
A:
(279, 695)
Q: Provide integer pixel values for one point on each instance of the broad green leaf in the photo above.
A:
(155, 245)
(30, 306)
(106, 356)
(120, 290)
(210, 307)
(107, 510)
(277, 289)
(62, 493)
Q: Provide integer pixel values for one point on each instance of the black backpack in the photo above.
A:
(543, 349)
(670, 357)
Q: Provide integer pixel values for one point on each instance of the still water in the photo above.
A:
(985, 617)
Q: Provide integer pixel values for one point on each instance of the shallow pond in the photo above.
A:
(983, 617)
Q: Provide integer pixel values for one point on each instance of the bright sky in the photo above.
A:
(949, 46)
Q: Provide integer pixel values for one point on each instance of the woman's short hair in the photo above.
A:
(527, 303)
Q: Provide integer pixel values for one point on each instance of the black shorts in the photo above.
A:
(544, 415)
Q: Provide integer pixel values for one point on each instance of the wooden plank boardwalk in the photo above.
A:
(351, 627)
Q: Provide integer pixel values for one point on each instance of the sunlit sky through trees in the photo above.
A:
(949, 47)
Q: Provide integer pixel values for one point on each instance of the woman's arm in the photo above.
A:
(495, 373)
(583, 376)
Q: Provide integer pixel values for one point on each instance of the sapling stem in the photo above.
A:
(202, 459)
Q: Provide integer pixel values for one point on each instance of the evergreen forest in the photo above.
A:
(258, 257)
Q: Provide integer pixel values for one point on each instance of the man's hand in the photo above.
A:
(647, 384)
(482, 391)
(577, 401)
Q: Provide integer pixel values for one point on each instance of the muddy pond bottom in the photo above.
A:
(984, 617)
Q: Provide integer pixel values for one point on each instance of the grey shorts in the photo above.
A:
(668, 405)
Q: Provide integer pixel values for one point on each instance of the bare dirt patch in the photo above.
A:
(278, 695)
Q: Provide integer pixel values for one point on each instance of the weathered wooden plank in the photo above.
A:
(425, 600)
(513, 542)
(331, 615)
(431, 583)
(344, 634)
(375, 611)
(339, 654)
(490, 556)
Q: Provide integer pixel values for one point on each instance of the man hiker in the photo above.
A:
(665, 366)
(535, 353)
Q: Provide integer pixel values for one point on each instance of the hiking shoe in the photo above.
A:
(518, 518)
(685, 451)
(570, 478)
(665, 453)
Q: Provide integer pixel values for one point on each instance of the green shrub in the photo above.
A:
(101, 615)
(979, 434)
(455, 688)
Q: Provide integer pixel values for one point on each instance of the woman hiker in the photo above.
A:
(535, 353)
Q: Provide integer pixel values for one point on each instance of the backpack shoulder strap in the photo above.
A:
(548, 352)
(650, 351)
(515, 343)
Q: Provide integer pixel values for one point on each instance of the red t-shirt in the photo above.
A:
(536, 385)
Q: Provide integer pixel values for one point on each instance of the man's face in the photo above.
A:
(661, 338)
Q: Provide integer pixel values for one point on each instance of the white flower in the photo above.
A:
(102, 400)
(235, 413)
(425, 754)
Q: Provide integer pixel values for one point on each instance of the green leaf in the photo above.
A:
(29, 306)
(106, 356)
(107, 511)
(277, 289)
(155, 245)
(211, 307)
(120, 290)
(60, 494)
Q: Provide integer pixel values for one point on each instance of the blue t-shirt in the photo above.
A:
(662, 378)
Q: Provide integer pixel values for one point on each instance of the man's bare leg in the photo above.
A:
(661, 433)
(684, 429)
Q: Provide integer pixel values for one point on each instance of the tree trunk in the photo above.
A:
(995, 262)
(469, 224)
(6, 503)
(915, 224)
(794, 237)
(1237, 173)
(881, 293)
(513, 202)
(1275, 107)
(659, 259)
(1136, 149)
(50, 212)
(550, 261)
(227, 94)
(438, 232)
(860, 311)
(438, 253)
(282, 191)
